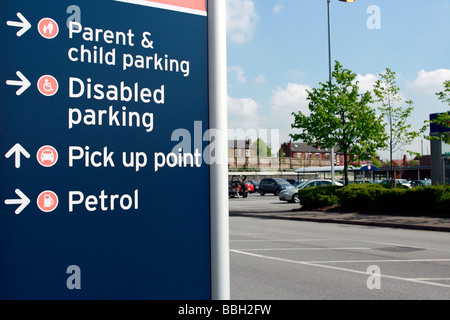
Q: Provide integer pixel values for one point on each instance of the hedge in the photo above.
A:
(318, 197)
(429, 200)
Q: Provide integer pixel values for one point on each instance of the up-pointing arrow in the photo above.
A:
(23, 83)
(23, 24)
(17, 150)
(24, 201)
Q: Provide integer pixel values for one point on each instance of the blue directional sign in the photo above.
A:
(105, 190)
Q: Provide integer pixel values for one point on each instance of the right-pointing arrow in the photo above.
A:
(24, 201)
(23, 83)
(24, 24)
(17, 150)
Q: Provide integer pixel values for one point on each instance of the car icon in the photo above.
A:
(47, 155)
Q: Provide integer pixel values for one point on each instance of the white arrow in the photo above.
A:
(24, 83)
(24, 24)
(17, 150)
(23, 201)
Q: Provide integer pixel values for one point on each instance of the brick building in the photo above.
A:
(303, 151)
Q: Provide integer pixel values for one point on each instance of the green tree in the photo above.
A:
(445, 95)
(443, 119)
(340, 117)
(376, 162)
(395, 112)
(262, 149)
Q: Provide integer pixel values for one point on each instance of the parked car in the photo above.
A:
(249, 186)
(291, 195)
(294, 182)
(273, 185)
(400, 183)
(237, 187)
(299, 182)
(421, 183)
(255, 185)
(368, 181)
(404, 182)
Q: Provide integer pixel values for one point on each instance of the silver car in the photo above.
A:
(291, 195)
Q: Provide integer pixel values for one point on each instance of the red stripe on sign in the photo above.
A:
(188, 4)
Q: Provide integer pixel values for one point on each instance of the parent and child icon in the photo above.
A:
(48, 28)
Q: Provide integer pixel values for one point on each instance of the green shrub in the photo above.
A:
(318, 197)
(430, 200)
(359, 196)
(424, 198)
(444, 204)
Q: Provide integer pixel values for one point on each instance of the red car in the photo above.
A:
(249, 186)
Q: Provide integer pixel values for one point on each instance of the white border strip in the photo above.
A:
(164, 6)
(217, 54)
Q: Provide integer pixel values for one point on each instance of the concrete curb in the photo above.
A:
(406, 223)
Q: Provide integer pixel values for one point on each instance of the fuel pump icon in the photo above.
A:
(47, 201)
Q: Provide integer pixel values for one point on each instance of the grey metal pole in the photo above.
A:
(217, 53)
(330, 78)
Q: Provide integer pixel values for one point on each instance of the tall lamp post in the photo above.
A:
(331, 76)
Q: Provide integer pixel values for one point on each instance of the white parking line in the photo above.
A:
(278, 240)
(433, 279)
(302, 249)
(311, 264)
(248, 234)
(381, 261)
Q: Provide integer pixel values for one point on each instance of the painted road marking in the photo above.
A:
(340, 269)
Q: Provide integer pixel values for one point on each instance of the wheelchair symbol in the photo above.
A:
(48, 85)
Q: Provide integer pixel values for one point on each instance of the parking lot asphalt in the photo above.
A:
(269, 207)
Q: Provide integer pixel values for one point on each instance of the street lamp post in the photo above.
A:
(331, 76)
(330, 79)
